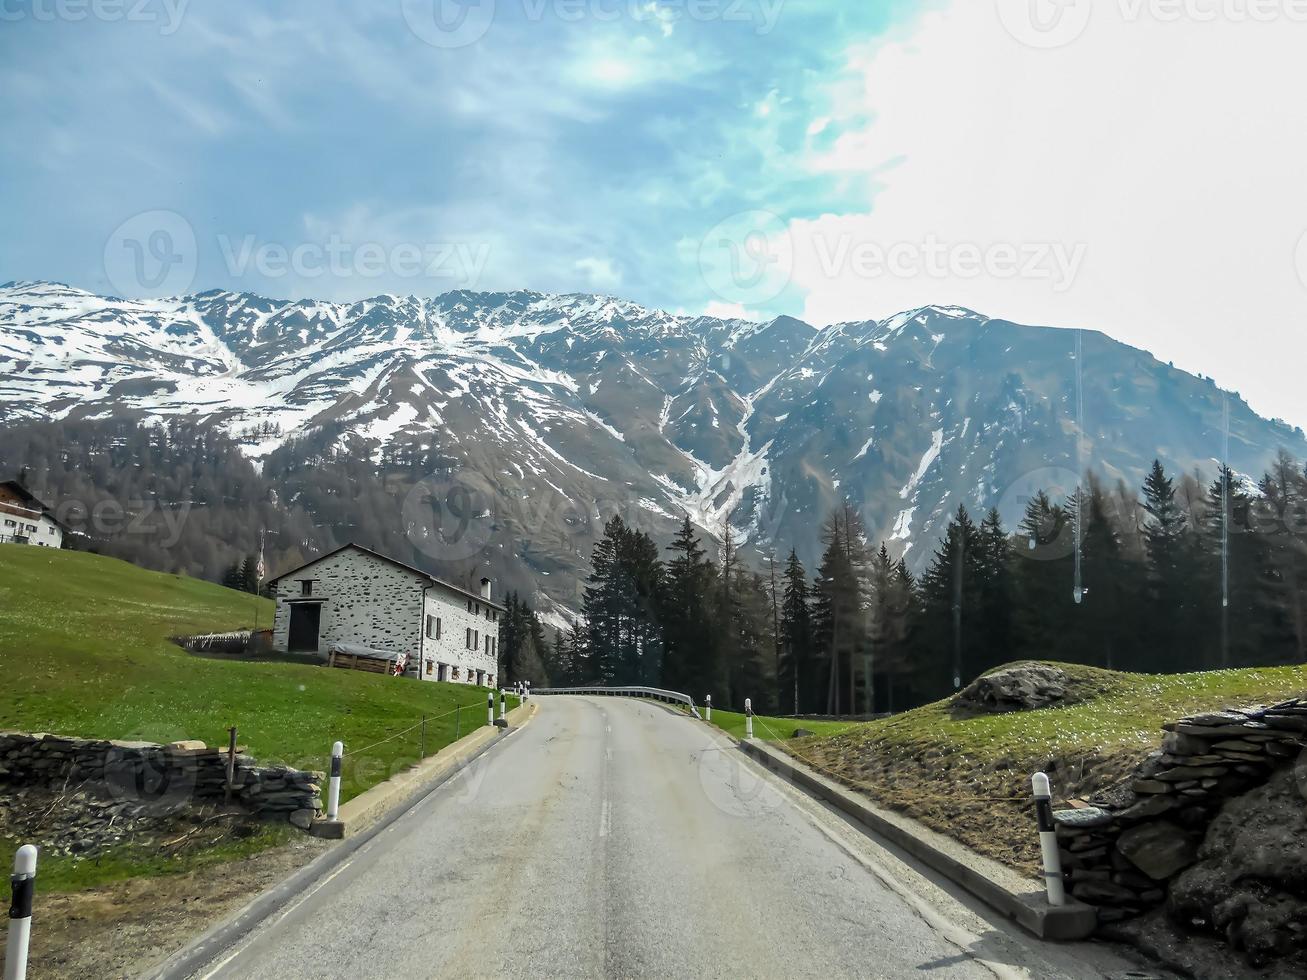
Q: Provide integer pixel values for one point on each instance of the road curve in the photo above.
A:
(615, 838)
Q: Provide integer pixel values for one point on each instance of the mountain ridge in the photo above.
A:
(584, 403)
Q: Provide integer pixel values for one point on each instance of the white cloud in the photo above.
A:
(600, 272)
(1168, 153)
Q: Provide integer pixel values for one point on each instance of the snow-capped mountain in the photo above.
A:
(576, 407)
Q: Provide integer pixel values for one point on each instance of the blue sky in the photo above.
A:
(572, 146)
(1131, 166)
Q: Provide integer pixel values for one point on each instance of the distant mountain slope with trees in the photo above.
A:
(1183, 577)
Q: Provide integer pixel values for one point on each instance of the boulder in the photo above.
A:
(1159, 848)
(1021, 687)
(302, 818)
(802, 733)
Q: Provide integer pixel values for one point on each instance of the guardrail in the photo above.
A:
(675, 697)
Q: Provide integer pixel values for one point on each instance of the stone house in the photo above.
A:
(356, 599)
(26, 520)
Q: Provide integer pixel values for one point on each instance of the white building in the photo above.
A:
(354, 598)
(26, 520)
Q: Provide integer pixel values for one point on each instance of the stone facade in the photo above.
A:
(26, 520)
(368, 600)
(1122, 853)
(148, 772)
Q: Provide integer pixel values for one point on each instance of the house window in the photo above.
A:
(487, 646)
(469, 605)
(437, 627)
(467, 643)
(476, 639)
(455, 673)
(431, 666)
(431, 629)
(306, 586)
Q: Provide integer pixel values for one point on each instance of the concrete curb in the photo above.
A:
(995, 885)
(371, 805)
(212, 943)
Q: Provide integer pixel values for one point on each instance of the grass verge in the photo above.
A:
(85, 651)
(776, 729)
(969, 777)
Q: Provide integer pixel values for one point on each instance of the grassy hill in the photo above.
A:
(84, 651)
(970, 777)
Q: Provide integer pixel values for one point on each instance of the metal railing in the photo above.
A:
(657, 693)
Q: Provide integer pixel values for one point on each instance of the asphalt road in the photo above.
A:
(613, 838)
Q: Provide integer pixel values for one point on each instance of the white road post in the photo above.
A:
(748, 718)
(502, 706)
(490, 707)
(707, 700)
(1048, 839)
(333, 787)
(527, 696)
(23, 883)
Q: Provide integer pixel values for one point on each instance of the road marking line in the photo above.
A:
(608, 754)
(605, 819)
(271, 924)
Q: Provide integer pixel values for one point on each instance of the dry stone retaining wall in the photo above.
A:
(1121, 853)
(150, 772)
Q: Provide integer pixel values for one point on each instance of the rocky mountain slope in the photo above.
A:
(558, 411)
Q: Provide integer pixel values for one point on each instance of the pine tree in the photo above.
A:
(1234, 577)
(1172, 577)
(995, 588)
(838, 616)
(603, 603)
(951, 596)
(1107, 617)
(1042, 578)
(248, 576)
(905, 635)
(1281, 520)
(690, 650)
(796, 635)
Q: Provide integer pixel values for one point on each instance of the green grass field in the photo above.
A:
(774, 729)
(970, 777)
(1127, 711)
(84, 651)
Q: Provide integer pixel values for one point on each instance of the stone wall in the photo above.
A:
(165, 774)
(364, 599)
(1122, 853)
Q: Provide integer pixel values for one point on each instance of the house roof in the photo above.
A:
(394, 561)
(31, 501)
